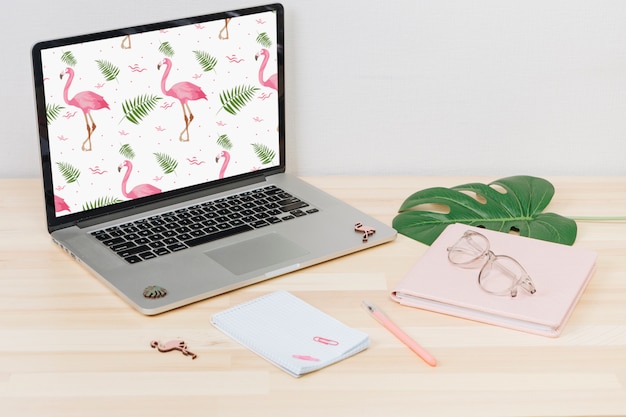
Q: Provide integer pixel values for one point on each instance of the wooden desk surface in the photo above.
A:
(70, 347)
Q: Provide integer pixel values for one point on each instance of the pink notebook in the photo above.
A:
(560, 274)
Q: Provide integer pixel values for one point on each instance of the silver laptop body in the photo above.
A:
(163, 160)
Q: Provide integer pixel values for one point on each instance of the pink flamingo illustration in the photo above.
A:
(141, 190)
(272, 80)
(226, 156)
(86, 101)
(60, 204)
(224, 31)
(184, 92)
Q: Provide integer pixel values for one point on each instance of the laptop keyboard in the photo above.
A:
(184, 228)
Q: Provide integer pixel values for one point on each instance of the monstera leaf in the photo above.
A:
(508, 204)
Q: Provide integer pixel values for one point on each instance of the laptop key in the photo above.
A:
(176, 247)
(260, 223)
(133, 259)
(133, 251)
(101, 235)
(123, 246)
(114, 241)
(162, 251)
(211, 229)
(298, 213)
(198, 233)
(218, 235)
(170, 241)
(293, 206)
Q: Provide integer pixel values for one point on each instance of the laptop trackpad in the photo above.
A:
(259, 252)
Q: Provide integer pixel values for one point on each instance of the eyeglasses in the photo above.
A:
(499, 274)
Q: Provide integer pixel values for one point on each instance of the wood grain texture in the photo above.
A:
(70, 347)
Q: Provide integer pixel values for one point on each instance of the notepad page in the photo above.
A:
(290, 333)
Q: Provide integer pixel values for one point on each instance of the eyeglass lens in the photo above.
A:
(470, 248)
(500, 274)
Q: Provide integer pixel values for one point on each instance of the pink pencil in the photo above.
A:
(399, 333)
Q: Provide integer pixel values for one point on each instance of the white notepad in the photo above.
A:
(290, 333)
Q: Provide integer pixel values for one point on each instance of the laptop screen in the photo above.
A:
(143, 113)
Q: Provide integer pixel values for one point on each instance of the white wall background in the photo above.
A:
(448, 87)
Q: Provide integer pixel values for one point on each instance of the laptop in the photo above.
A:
(164, 164)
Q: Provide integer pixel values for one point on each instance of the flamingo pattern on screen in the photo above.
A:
(156, 111)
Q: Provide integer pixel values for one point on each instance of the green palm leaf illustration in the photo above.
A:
(206, 61)
(101, 202)
(69, 172)
(264, 153)
(69, 59)
(52, 112)
(108, 70)
(139, 107)
(166, 49)
(264, 40)
(234, 100)
(224, 142)
(127, 151)
(166, 162)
